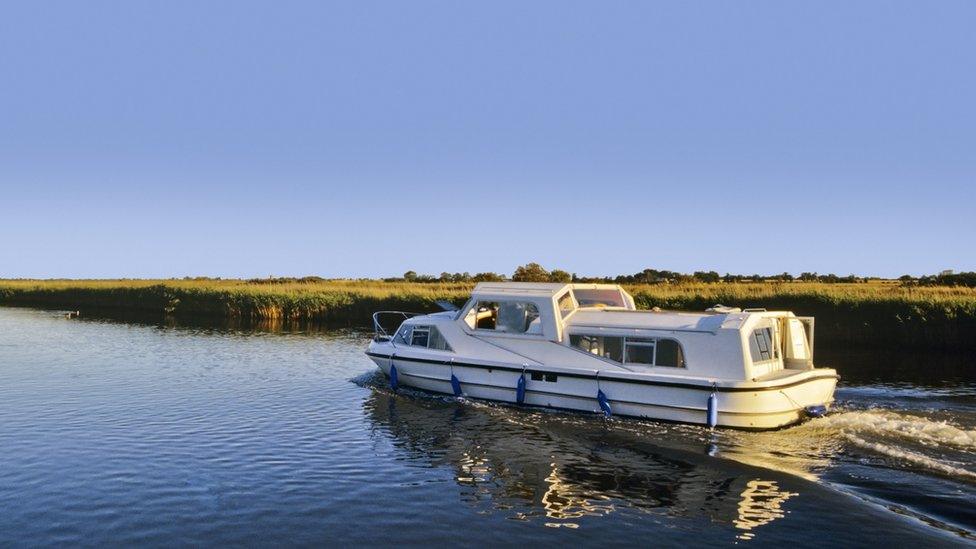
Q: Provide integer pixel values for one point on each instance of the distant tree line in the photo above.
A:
(654, 276)
(944, 279)
(530, 272)
(412, 276)
(285, 280)
(534, 272)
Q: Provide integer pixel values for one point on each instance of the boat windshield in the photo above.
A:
(517, 317)
(599, 298)
(566, 304)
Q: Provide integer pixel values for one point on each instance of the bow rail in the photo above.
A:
(379, 331)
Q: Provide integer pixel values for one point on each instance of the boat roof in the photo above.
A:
(536, 289)
(656, 320)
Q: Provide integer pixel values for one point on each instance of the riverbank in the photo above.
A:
(874, 313)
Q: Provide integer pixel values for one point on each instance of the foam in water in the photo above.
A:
(912, 457)
(878, 431)
(885, 423)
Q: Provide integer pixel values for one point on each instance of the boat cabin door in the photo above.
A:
(798, 343)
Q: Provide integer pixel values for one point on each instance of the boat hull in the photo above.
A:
(743, 407)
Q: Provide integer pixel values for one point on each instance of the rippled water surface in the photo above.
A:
(125, 433)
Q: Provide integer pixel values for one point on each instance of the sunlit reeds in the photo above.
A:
(880, 311)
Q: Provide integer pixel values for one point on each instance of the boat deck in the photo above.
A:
(779, 374)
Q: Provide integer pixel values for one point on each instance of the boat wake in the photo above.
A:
(906, 440)
(898, 425)
(915, 458)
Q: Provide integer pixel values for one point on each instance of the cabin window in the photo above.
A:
(566, 304)
(640, 351)
(761, 345)
(668, 353)
(513, 317)
(437, 340)
(422, 336)
(403, 335)
(606, 347)
(599, 298)
(632, 350)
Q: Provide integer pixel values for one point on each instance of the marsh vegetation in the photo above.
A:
(872, 312)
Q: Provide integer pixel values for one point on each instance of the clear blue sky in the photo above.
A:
(157, 139)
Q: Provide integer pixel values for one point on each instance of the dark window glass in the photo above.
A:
(403, 335)
(640, 354)
(420, 337)
(590, 344)
(551, 377)
(669, 354)
(613, 348)
(607, 347)
(485, 315)
(537, 376)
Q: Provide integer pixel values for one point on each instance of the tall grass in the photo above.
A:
(877, 312)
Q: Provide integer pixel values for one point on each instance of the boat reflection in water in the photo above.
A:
(761, 503)
(562, 470)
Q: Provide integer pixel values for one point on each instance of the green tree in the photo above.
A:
(530, 272)
(410, 276)
(710, 276)
(559, 275)
(487, 277)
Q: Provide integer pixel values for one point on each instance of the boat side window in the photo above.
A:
(513, 317)
(424, 336)
(761, 345)
(607, 347)
(421, 335)
(668, 353)
(437, 340)
(566, 304)
(632, 350)
(640, 350)
(403, 335)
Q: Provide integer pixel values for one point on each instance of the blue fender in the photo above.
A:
(520, 390)
(815, 411)
(393, 377)
(456, 385)
(712, 412)
(604, 404)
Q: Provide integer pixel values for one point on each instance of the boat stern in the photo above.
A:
(779, 403)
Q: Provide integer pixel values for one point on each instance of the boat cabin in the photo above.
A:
(599, 327)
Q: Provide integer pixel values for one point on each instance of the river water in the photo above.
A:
(156, 434)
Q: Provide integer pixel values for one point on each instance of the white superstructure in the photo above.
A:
(587, 347)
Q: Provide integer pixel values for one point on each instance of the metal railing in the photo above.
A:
(379, 331)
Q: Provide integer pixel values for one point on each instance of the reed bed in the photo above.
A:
(880, 312)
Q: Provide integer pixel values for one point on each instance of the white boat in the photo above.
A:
(587, 347)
